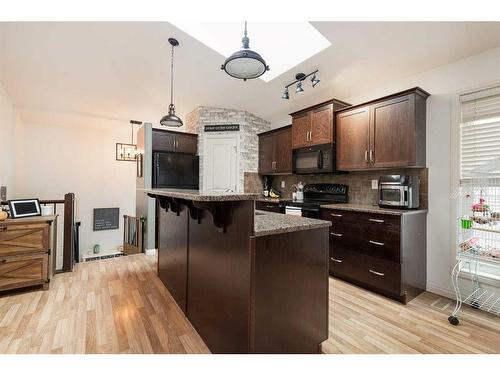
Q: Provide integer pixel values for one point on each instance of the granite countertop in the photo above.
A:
(268, 223)
(200, 196)
(370, 209)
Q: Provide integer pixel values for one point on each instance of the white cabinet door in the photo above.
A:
(220, 164)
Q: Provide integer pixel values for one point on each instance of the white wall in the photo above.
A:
(7, 140)
(60, 153)
(443, 83)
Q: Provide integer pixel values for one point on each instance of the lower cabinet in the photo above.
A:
(381, 252)
(269, 206)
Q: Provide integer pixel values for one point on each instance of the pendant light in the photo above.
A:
(245, 63)
(171, 119)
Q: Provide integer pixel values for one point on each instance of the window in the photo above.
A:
(479, 129)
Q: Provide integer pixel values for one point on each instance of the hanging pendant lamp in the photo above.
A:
(245, 63)
(171, 119)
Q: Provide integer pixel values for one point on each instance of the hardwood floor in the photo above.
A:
(365, 322)
(120, 306)
(111, 306)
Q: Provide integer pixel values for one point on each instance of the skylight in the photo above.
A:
(282, 44)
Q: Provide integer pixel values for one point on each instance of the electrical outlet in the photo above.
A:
(374, 184)
(282, 184)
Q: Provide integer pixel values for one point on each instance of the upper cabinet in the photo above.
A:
(166, 140)
(315, 125)
(384, 133)
(275, 151)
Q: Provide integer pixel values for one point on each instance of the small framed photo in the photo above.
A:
(24, 208)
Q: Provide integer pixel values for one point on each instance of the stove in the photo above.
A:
(316, 195)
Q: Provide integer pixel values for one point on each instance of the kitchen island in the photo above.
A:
(249, 281)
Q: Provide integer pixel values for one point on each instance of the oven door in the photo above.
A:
(314, 159)
(394, 196)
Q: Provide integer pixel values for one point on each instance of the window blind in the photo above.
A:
(479, 130)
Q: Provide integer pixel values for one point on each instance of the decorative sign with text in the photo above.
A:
(222, 128)
(106, 218)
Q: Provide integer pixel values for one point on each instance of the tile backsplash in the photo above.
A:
(360, 183)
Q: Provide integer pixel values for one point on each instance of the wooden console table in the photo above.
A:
(26, 246)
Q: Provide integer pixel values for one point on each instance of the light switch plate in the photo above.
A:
(374, 184)
(3, 193)
(282, 184)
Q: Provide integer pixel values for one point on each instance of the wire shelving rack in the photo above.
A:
(478, 239)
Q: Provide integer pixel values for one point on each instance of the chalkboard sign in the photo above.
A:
(223, 128)
(106, 218)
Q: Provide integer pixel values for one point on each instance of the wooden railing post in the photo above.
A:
(69, 234)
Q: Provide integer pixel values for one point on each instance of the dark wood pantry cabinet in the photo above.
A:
(275, 151)
(384, 133)
(167, 140)
(315, 125)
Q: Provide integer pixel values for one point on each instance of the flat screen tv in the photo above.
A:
(174, 170)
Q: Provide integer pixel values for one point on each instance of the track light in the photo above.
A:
(285, 95)
(314, 80)
(299, 88)
(299, 78)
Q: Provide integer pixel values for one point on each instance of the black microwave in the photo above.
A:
(314, 159)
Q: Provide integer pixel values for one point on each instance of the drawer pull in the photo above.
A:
(336, 260)
(269, 206)
(377, 273)
(376, 243)
(3, 261)
(336, 215)
(377, 220)
(3, 228)
(336, 234)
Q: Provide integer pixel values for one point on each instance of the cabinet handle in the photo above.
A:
(376, 243)
(311, 135)
(372, 160)
(377, 220)
(377, 273)
(336, 260)
(307, 137)
(3, 261)
(336, 234)
(336, 215)
(366, 156)
(3, 228)
(269, 206)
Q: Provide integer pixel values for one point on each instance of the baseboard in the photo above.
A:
(150, 252)
(441, 291)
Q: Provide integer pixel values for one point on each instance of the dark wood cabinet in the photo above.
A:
(384, 133)
(315, 125)
(166, 140)
(381, 252)
(353, 129)
(275, 151)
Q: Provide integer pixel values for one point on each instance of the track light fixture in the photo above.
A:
(299, 78)
(285, 95)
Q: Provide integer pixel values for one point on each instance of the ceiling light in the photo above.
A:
(245, 63)
(127, 151)
(314, 80)
(171, 119)
(285, 95)
(299, 88)
(302, 41)
(299, 78)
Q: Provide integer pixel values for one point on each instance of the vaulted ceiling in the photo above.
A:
(121, 70)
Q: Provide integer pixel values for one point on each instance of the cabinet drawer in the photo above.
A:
(383, 275)
(24, 270)
(23, 239)
(268, 206)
